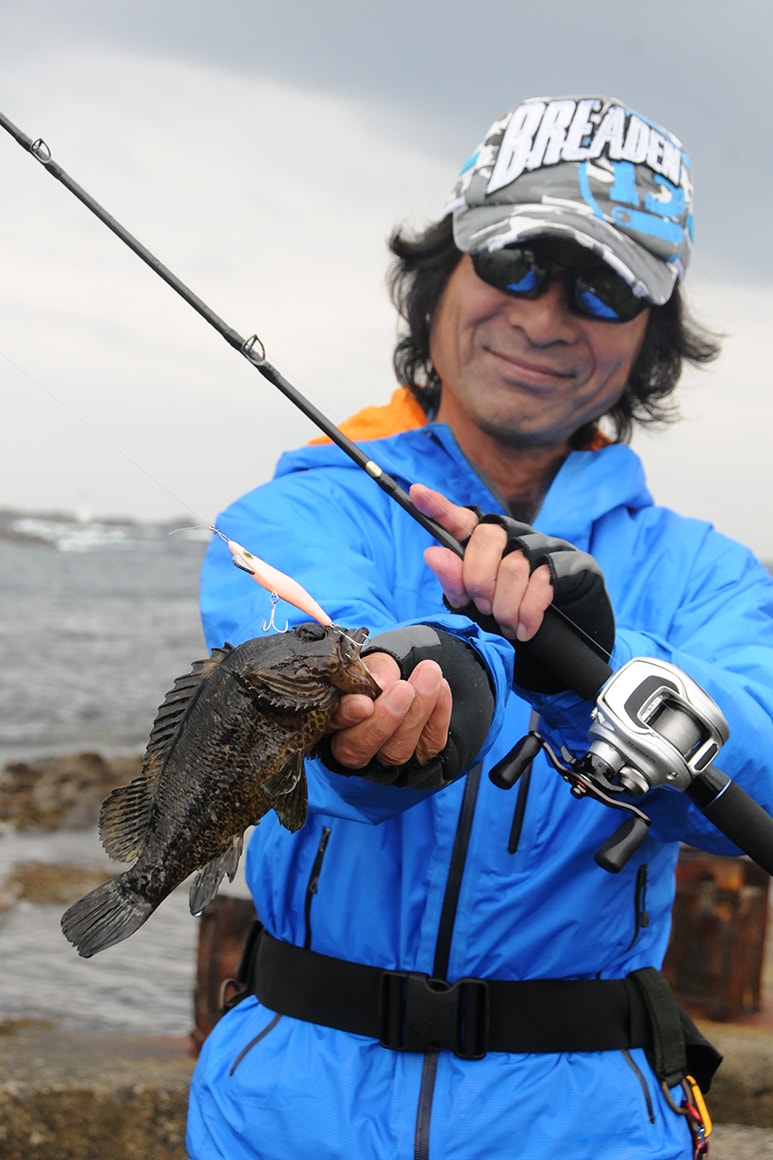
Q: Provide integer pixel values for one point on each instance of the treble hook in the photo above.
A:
(271, 622)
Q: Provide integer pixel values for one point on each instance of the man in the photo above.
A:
(445, 970)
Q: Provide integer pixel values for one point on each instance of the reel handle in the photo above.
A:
(622, 845)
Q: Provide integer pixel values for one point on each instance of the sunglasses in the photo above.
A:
(595, 292)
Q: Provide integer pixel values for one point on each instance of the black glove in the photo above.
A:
(580, 596)
(473, 707)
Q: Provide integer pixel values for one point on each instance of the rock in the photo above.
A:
(61, 792)
(223, 930)
(48, 883)
(74, 1096)
(742, 1091)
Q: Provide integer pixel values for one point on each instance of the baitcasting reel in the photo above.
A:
(652, 725)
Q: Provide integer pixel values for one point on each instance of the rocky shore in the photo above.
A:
(69, 1095)
(54, 793)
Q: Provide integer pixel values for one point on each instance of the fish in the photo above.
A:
(227, 745)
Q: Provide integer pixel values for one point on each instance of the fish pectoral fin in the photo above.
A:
(292, 805)
(207, 881)
(283, 782)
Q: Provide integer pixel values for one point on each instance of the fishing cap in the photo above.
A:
(585, 168)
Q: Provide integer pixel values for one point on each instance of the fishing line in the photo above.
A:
(268, 625)
(104, 438)
(251, 348)
(558, 642)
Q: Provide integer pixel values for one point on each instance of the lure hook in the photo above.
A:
(271, 624)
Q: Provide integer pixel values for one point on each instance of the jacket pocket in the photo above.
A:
(637, 1071)
(255, 1041)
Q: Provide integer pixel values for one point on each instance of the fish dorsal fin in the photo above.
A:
(175, 705)
(288, 692)
(207, 881)
(125, 815)
(292, 805)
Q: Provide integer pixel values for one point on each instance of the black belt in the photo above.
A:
(410, 1011)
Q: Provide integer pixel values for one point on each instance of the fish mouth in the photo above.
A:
(365, 681)
(354, 676)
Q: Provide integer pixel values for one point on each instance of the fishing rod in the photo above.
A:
(252, 348)
(648, 725)
(557, 643)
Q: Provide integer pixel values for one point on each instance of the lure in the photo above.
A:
(279, 584)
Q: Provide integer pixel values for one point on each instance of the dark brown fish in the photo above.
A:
(227, 746)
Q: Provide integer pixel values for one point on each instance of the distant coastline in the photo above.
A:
(72, 531)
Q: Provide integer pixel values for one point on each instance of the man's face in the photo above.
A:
(526, 372)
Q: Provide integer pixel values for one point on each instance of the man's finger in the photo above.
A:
(435, 734)
(459, 521)
(356, 746)
(448, 570)
(481, 564)
(426, 681)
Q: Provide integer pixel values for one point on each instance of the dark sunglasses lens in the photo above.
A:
(605, 296)
(597, 293)
(513, 270)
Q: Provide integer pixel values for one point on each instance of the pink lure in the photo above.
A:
(275, 581)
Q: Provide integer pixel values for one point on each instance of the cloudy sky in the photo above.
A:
(263, 151)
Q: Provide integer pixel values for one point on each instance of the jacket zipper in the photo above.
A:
(313, 883)
(443, 951)
(641, 916)
(640, 1076)
(311, 889)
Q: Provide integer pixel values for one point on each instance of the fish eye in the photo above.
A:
(311, 631)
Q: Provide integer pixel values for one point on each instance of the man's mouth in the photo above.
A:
(527, 369)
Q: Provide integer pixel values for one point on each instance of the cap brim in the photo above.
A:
(491, 227)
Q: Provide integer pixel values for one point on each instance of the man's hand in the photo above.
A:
(409, 718)
(513, 573)
(498, 586)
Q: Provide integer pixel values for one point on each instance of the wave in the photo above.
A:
(70, 534)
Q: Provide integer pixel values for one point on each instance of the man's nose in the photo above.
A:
(547, 318)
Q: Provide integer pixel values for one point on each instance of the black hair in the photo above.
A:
(424, 261)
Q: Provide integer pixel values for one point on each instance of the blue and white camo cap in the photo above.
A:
(588, 169)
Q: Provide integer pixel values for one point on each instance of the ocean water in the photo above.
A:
(97, 622)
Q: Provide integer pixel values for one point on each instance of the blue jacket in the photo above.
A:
(367, 879)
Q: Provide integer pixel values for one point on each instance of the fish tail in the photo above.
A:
(105, 916)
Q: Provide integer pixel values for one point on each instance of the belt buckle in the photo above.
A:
(421, 1013)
